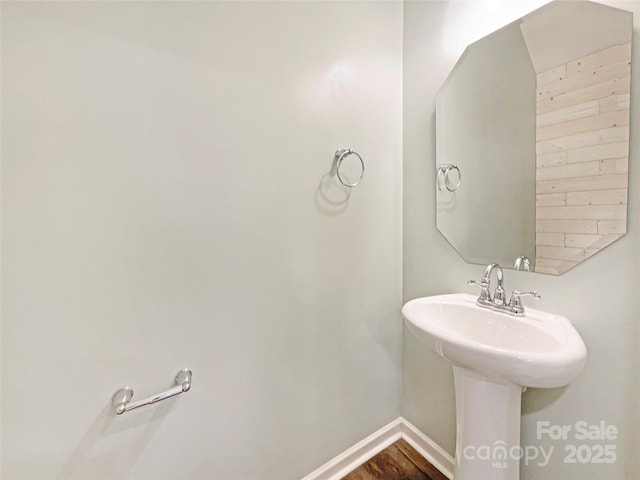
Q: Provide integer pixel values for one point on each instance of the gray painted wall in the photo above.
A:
(152, 220)
(600, 296)
(160, 210)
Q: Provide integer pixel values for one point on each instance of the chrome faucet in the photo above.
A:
(522, 263)
(497, 301)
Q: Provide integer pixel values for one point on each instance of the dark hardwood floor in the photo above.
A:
(397, 462)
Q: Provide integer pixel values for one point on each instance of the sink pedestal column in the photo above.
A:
(487, 428)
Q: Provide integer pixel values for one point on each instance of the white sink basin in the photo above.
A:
(537, 350)
(494, 355)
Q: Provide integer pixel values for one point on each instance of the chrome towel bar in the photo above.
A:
(121, 400)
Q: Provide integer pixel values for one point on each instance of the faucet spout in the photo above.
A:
(499, 296)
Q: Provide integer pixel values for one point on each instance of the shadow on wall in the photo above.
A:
(331, 197)
(114, 463)
(535, 399)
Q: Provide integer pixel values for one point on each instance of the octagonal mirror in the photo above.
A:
(532, 135)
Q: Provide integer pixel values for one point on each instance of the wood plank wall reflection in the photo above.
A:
(582, 153)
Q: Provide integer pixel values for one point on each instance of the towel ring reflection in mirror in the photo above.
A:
(443, 179)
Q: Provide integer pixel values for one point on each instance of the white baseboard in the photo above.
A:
(364, 450)
(437, 456)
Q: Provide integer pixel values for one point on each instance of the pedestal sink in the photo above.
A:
(494, 355)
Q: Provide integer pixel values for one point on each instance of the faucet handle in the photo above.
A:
(484, 285)
(516, 301)
(518, 294)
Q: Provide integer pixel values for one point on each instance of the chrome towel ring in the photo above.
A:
(443, 177)
(340, 155)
